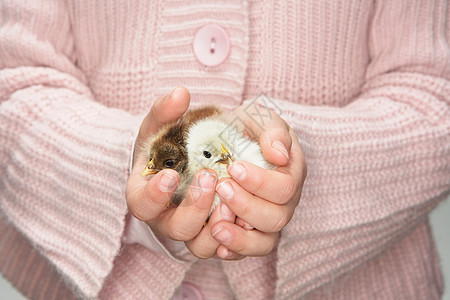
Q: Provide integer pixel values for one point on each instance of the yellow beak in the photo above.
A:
(149, 169)
(225, 157)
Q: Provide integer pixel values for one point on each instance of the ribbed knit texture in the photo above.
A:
(27, 269)
(142, 274)
(382, 277)
(364, 84)
(210, 278)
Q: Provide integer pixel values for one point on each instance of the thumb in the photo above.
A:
(166, 109)
(276, 143)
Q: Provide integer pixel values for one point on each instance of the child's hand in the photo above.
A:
(147, 199)
(263, 200)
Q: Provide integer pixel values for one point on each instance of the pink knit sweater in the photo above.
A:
(364, 84)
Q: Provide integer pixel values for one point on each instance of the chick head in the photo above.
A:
(208, 147)
(167, 151)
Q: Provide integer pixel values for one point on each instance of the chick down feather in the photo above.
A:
(213, 143)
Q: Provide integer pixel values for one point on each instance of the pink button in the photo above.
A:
(211, 45)
(188, 291)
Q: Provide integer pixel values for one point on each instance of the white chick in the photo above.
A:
(213, 143)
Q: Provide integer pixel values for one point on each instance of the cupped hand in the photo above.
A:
(147, 199)
(264, 200)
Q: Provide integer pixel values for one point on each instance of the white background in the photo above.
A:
(440, 220)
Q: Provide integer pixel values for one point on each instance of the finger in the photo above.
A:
(185, 221)
(275, 143)
(147, 199)
(272, 185)
(272, 132)
(244, 242)
(223, 253)
(263, 215)
(278, 185)
(297, 159)
(165, 109)
(204, 245)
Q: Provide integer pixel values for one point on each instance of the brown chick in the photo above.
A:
(167, 149)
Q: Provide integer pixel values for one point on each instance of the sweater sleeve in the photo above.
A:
(64, 157)
(377, 166)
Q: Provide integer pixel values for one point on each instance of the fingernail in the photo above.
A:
(173, 91)
(226, 212)
(163, 98)
(237, 171)
(203, 182)
(248, 226)
(225, 253)
(280, 147)
(207, 181)
(229, 254)
(225, 190)
(167, 183)
(222, 235)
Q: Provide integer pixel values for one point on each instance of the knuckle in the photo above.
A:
(280, 225)
(201, 254)
(280, 132)
(131, 199)
(268, 247)
(243, 209)
(137, 209)
(241, 246)
(258, 182)
(178, 233)
(288, 191)
(139, 214)
(278, 222)
(283, 131)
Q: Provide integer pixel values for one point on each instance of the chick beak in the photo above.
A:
(149, 169)
(225, 157)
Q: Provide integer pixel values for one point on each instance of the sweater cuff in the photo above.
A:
(374, 172)
(65, 169)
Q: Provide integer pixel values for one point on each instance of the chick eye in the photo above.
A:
(169, 163)
(206, 154)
